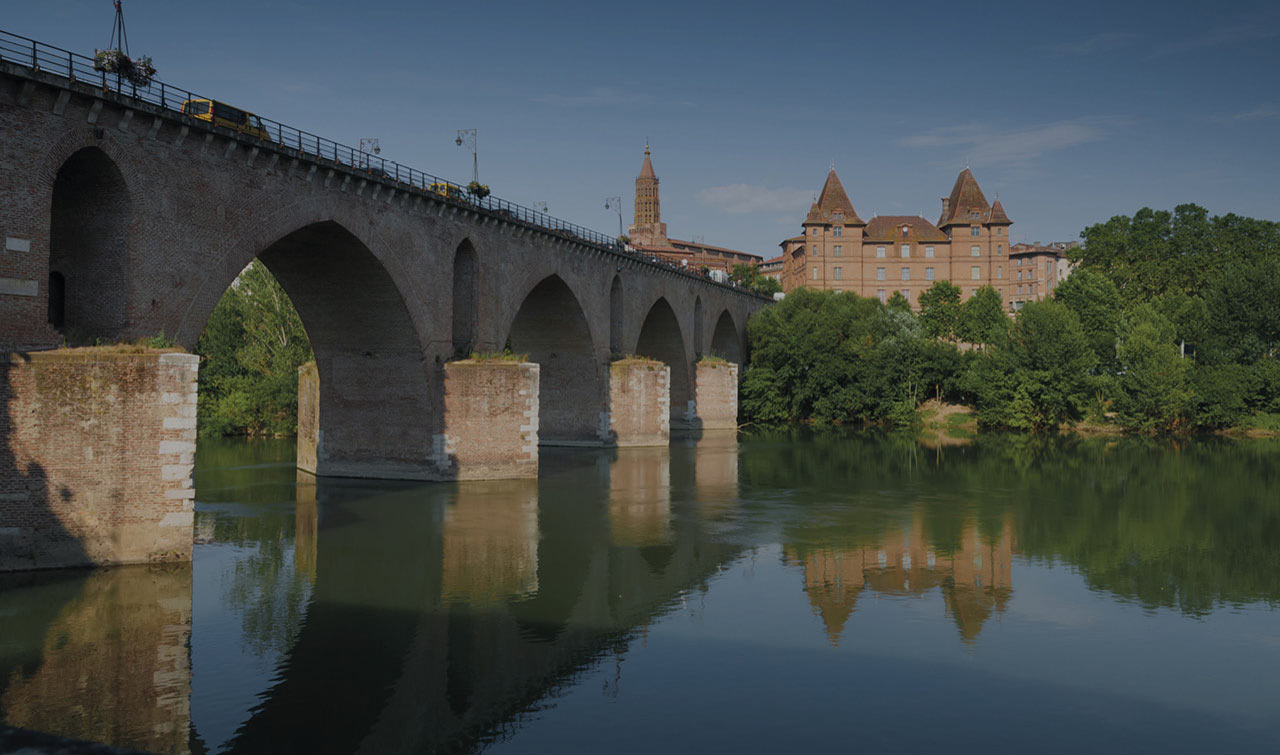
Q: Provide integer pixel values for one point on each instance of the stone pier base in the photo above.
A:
(639, 403)
(308, 416)
(716, 392)
(96, 454)
(490, 420)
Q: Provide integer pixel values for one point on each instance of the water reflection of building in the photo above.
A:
(114, 665)
(490, 542)
(975, 577)
(716, 473)
(306, 527)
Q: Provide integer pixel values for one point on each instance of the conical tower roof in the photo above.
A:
(966, 197)
(833, 199)
(646, 170)
(998, 214)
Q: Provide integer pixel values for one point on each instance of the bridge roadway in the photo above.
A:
(124, 219)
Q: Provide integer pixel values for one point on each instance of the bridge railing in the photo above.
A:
(39, 56)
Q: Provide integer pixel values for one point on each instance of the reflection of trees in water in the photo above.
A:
(1188, 525)
(269, 594)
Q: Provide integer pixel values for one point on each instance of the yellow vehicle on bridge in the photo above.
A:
(222, 114)
(446, 189)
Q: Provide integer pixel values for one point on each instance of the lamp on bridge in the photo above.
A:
(467, 138)
(615, 203)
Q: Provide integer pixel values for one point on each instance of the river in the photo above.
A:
(777, 592)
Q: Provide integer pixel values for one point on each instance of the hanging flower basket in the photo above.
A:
(478, 190)
(139, 72)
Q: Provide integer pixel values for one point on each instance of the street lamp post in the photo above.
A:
(615, 203)
(368, 146)
(467, 138)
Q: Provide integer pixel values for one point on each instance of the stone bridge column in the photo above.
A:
(716, 394)
(639, 403)
(490, 420)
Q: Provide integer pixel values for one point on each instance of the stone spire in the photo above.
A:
(966, 199)
(832, 201)
(648, 228)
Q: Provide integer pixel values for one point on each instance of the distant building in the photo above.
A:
(649, 234)
(1035, 270)
(772, 268)
(839, 251)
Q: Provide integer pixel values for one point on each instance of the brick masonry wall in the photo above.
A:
(639, 402)
(99, 449)
(490, 420)
(716, 386)
(308, 416)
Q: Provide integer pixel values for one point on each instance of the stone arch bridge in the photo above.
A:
(123, 219)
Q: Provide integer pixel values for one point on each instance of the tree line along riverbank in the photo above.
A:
(1170, 323)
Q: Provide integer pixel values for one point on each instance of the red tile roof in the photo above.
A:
(832, 200)
(998, 215)
(966, 197)
(889, 228)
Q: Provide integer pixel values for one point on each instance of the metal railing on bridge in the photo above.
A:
(39, 56)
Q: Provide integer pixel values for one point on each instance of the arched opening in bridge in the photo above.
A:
(697, 328)
(725, 342)
(465, 299)
(88, 248)
(551, 328)
(615, 318)
(365, 408)
(661, 339)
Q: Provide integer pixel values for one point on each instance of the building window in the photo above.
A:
(906, 273)
(837, 273)
(974, 231)
(975, 251)
(880, 295)
(1000, 231)
(879, 273)
(999, 248)
(906, 251)
(880, 252)
(928, 252)
(1019, 275)
(1000, 272)
(906, 294)
(815, 272)
(928, 273)
(836, 250)
(975, 273)
(815, 232)
(838, 217)
(1019, 289)
(905, 231)
(838, 230)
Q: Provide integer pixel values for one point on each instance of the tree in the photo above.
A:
(252, 346)
(981, 317)
(749, 277)
(1152, 388)
(898, 301)
(1096, 301)
(940, 309)
(1035, 375)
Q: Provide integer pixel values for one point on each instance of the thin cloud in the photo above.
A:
(605, 96)
(1264, 113)
(1102, 42)
(1263, 26)
(981, 144)
(740, 199)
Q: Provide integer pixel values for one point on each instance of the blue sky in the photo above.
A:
(1072, 113)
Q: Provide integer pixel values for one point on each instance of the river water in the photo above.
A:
(783, 592)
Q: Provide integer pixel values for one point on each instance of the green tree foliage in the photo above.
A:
(749, 277)
(252, 347)
(1152, 391)
(1037, 374)
(828, 357)
(940, 309)
(1096, 301)
(981, 318)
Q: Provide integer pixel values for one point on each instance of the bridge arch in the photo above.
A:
(374, 413)
(661, 338)
(465, 298)
(90, 216)
(725, 341)
(551, 327)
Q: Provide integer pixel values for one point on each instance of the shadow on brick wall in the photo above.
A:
(32, 535)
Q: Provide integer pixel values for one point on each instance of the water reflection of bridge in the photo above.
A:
(436, 616)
